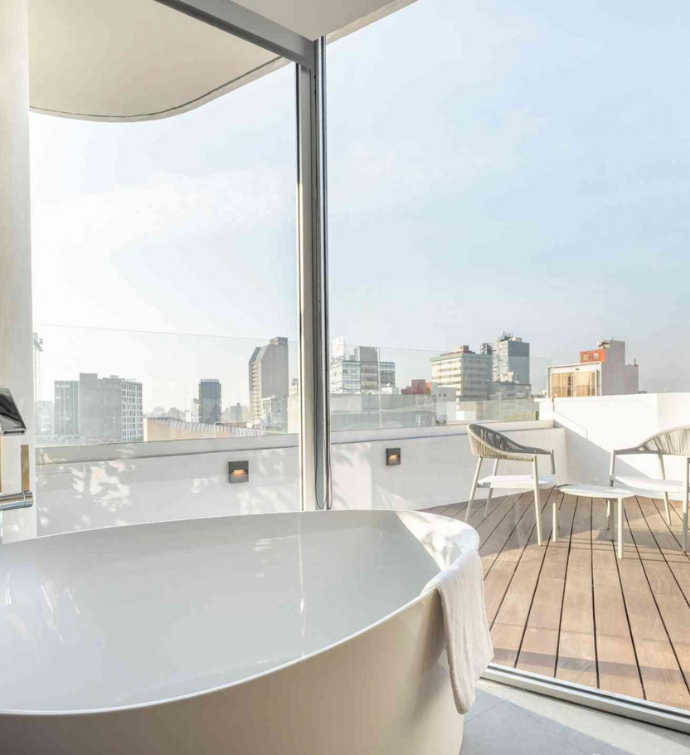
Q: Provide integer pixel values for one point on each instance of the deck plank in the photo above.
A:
(616, 660)
(499, 577)
(539, 647)
(492, 544)
(577, 660)
(665, 539)
(676, 518)
(511, 618)
(671, 602)
(498, 508)
(659, 669)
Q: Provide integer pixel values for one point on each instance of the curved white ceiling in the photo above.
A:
(138, 60)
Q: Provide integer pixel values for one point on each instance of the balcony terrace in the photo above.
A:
(571, 610)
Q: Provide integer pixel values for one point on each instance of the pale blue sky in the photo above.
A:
(493, 165)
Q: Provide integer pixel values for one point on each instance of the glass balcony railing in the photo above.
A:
(375, 388)
(96, 386)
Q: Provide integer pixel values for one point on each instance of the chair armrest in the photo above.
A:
(631, 451)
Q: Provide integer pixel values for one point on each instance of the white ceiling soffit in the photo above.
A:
(136, 60)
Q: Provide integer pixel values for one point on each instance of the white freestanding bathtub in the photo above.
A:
(285, 634)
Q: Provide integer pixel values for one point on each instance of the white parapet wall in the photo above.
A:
(597, 425)
(83, 487)
(436, 469)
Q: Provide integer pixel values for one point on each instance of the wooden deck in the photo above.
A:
(572, 610)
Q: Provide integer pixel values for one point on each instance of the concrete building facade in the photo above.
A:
(274, 414)
(210, 397)
(510, 359)
(66, 408)
(359, 369)
(236, 413)
(110, 409)
(600, 372)
(269, 374)
(466, 371)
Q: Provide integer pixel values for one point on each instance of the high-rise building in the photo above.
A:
(509, 359)
(236, 414)
(210, 410)
(469, 373)
(600, 372)
(194, 410)
(269, 374)
(110, 409)
(66, 408)
(44, 418)
(359, 370)
(274, 413)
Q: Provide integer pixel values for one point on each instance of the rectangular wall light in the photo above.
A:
(393, 457)
(238, 471)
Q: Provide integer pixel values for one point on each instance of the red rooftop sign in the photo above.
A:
(595, 355)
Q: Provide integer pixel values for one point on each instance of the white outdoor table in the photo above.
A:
(603, 493)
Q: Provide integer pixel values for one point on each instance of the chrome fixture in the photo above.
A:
(11, 423)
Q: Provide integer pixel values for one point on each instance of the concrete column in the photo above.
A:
(16, 349)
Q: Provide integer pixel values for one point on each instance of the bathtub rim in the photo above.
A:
(424, 595)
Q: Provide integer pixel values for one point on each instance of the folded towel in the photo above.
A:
(468, 640)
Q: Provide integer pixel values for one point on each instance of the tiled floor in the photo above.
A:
(507, 721)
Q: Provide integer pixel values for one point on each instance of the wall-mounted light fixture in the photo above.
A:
(239, 471)
(393, 457)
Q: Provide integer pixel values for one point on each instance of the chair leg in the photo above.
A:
(554, 513)
(666, 501)
(473, 489)
(491, 491)
(608, 516)
(537, 500)
(620, 528)
(686, 485)
(667, 506)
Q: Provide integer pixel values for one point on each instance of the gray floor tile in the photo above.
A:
(507, 729)
(510, 721)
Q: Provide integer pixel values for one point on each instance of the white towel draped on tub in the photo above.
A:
(468, 640)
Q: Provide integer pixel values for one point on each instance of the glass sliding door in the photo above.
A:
(508, 245)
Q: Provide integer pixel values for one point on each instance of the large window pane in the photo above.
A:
(509, 220)
(165, 297)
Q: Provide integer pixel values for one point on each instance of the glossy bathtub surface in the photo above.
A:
(135, 615)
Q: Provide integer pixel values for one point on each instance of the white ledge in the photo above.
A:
(55, 455)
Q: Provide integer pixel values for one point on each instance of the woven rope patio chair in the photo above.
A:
(674, 442)
(486, 443)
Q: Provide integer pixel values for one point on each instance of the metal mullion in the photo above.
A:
(315, 472)
(309, 57)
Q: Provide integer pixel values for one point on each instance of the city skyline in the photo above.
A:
(494, 374)
(411, 364)
(520, 185)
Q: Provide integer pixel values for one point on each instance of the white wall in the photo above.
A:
(435, 470)
(597, 425)
(156, 481)
(82, 487)
(16, 358)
